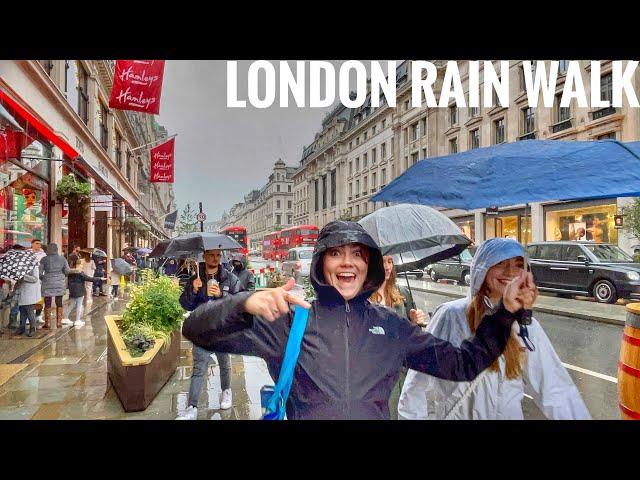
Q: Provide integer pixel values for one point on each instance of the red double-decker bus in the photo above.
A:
(270, 246)
(297, 236)
(239, 234)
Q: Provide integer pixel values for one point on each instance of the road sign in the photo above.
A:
(201, 217)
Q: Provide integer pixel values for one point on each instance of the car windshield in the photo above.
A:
(466, 256)
(305, 254)
(609, 253)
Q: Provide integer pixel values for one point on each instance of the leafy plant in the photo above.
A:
(72, 191)
(632, 218)
(276, 280)
(139, 339)
(154, 305)
(309, 291)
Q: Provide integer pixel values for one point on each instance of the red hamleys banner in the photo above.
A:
(137, 85)
(162, 162)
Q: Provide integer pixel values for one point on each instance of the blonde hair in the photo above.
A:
(514, 354)
(392, 295)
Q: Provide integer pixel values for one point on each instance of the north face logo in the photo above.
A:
(377, 330)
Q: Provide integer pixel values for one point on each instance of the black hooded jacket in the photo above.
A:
(227, 282)
(352, 352)
(245, 277)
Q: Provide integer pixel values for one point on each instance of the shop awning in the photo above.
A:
(35, 127)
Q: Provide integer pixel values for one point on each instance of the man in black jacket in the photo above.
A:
(352, 350)
(211, 283)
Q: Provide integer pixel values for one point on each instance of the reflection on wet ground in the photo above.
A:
(67, 379)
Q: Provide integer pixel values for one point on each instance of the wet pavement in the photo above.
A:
(67, 379)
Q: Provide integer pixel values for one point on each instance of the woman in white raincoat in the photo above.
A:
(497, 393)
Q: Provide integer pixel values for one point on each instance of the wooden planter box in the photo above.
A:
(137, 380)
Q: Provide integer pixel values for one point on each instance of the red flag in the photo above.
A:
(137, 85)
(162, 162)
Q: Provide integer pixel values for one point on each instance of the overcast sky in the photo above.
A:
(222, 153)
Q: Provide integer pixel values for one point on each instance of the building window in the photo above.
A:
(424, 153)
(384, 123)
(350, 168)
(288, 219)
(563, 66)
(277, 188)
(373, 131)
(350, 146)
(414, 158)
(104, 126)
(365, 161)
(357, 164)
(384, 176)
(453, 145)
(607, 136)
(406, 105)
(357, 188)
(118, 150)
(357, 141)
(373, 156)
(47, 65)
(406, 136)
(373, 180)
(350, 191)
(453, 115)
(392, 144)
(474, 139)
(289, 204)
(528, 123)
(498, 131)
(562, 116)
(423, 127)
(128, 172)
(474, 112)
(333, 188)
(383, 151)
(289, 188)
(606, 87)
(414, 131)
(317, 205)
(357, 210)
(324, 192)
(277, 203)
(83, 94)
(278, 218)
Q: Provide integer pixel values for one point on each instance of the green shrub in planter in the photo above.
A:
(154, 309)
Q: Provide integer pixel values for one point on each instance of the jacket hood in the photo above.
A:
(336, 234)
(52, 249)
(490, 253)
(240, 258)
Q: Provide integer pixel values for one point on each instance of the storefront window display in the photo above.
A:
(594, 223)
(508, 226)
(467, 225)
(24, 197)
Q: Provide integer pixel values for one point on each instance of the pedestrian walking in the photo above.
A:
(88, 267)
(36, 247)
(245, 277)
(211, 284)
(100, 271)
(498, 393)
(114, 281)
(352, 350)
(53, 274)
(28, 293)
(77, 280)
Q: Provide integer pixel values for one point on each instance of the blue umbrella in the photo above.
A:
(144, 250)
(521, 172)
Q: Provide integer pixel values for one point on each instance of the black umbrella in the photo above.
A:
(15, 264)
(99, 253)
(191, 244)
(159, 249)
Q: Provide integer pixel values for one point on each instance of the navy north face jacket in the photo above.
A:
(352, 351)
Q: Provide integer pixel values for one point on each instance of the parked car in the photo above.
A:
(600, 270)
(297, 263)
(457, 268)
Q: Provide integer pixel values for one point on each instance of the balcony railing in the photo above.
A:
(563, 125)
(603, 112)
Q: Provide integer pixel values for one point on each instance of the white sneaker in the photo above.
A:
(78, 323)
(225, 399)
(66, 321)
(191, 413)
(39, 319)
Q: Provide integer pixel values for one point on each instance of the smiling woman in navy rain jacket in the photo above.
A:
(352, 350)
